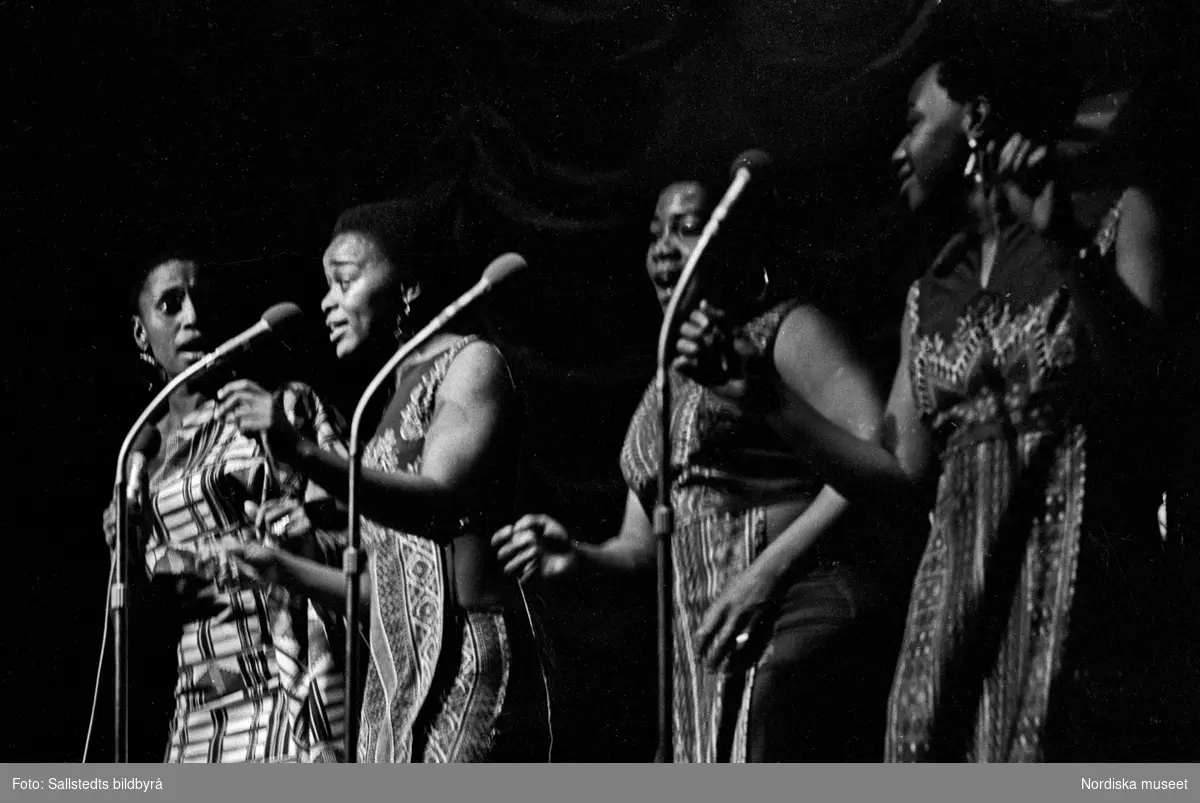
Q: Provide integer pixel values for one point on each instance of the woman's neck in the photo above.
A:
(183, 402)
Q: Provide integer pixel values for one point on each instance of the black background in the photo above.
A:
(245, 129)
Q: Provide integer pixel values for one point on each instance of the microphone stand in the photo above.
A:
(664, 514)
(351, 555)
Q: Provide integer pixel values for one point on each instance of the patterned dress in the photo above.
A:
(727, 469)
(445, 684)
(259, 669)
(1027, 618)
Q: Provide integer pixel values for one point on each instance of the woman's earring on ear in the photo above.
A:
(976, 167)
(766, 286)
(971, 170)
(403, 317)
(152, 372)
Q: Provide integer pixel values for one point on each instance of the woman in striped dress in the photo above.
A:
(258, 668)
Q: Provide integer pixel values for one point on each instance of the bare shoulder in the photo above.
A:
(479, 371)
(1140, 215)
(1139, 247)
(807, 334)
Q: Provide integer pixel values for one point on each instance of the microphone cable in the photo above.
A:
(112, 572)
(533, 631)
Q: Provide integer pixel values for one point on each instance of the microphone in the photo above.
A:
(277, 320)
(500, 269)
(145, 446)
(744, 167)
(274, 320)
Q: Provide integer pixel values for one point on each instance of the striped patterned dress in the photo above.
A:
(259, 669)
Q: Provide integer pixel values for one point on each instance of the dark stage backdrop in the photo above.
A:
(245, 128)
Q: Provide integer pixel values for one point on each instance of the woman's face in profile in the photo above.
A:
(929, 159)
(358, 307)
(169, 319)
(675, 228)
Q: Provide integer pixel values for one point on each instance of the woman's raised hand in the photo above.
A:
(254, 411)
(536, 545)
(711, 352)
(1024, 176)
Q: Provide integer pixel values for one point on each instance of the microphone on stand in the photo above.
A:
(275, 319)
(500, 268)
(145, 446)
(745, 167)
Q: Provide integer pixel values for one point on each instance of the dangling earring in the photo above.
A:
(152, 372)
(766, 286)
(401, 332)
(976, 166)
(403, 317)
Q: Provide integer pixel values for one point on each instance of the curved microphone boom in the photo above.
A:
(744, 168)
(275, 319)
(497, 271)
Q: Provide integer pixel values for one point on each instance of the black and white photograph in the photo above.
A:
(607, 382)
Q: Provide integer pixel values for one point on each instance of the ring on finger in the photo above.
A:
(280, 526)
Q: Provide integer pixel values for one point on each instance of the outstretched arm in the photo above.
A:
(463, 436)
(814, 394)
(867, 459)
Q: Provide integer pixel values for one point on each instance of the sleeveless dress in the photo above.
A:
(1032, 631)
(260, 675)
(444, 684)
(728, 468)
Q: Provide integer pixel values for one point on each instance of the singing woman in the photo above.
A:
(779, 650)
(454, 672)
